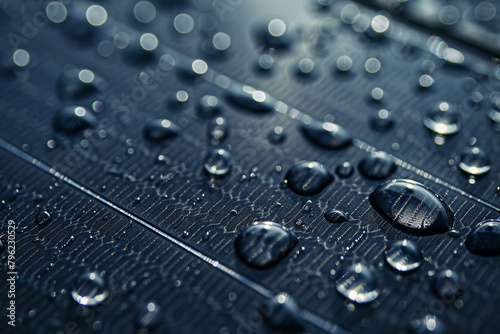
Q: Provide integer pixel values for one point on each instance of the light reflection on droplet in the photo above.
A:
(372, 65)
(86, 76)
(449, 15)
(21, 57)
(426, 81)
(350, 14)
(221, 41)
(96, 15)
(121, 40)
(199, 66)
(453, 56)
(144, 11)
(276, 28)
(344, 63)
(184, 23)
(56, 11)
(380, 24)
(149, 42)
(485, 11)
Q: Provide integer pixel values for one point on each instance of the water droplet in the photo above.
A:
(372, 65)
(485, 238)
(158, 130)
(427, 324)
(277, 135)
(218, 130)
(494, 115)
(448, 285)
(403, 255)
(221, 41)
(184, 23)
(336, 216)
(305, 67)
(148, 314)
(283, 313)
(443, 120)
(266, 62)
(56, 11)
(209, 107)
(96, 15)
(276, 35)
(218, 162)
(357, 283)
(345, 169)
(307, 206)
(77, 83)
(263, 244)
(344, 63)
(308, 178)
(43, 217)
(474, 161)
(453, 233)
(382, 120)
(327, 135)
(74, 119)
(251, 99)
(89, 289)
(377, 166)
(144, 11)
(413, 207)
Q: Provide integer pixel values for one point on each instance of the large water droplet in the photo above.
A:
(89, 289)
(308, 178)
(357, 283)
(444, 120)
(474, 161)
(413, 207)
(218, 162)
(158, 130)
(327, 135)
(218, 130)
(485, 238)
(251, 99)
(377, 166)
(148, 314)
(73, 119)
(77, 83)
(283, 313)
(263, 244)
(336, 216)
(403, 255)
(447, 285)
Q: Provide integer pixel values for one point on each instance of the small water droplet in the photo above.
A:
(277, 135)
(345, 169)
(218, 162)
(307, 206)
(485, 238)
(148, 314)
(382, 120)
(74, 119)
(263, 244)
(494, 115)
(474, 161)
(327, 135)
(357, 283)
(377, 166)
(427, 324)
(336, 216)
(443, 120)
(308, 178)
(77, 83)
(185, 234)
(403, 255)
(158, 130)
(282, 313)
(43, 217)
(275, 35)
(210, 106)
(454, 234)
(218, 130)
(448, 285)
(412, 206)
(89, 289)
